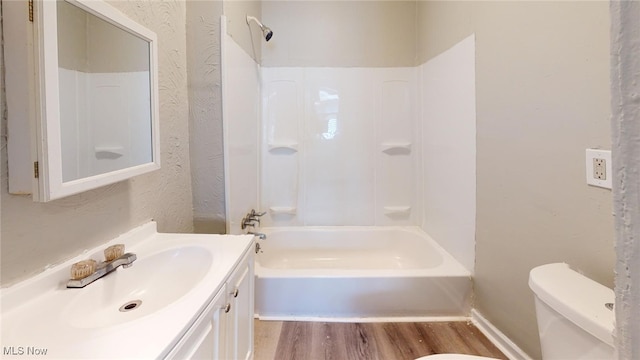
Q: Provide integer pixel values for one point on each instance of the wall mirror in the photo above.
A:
(96, 98)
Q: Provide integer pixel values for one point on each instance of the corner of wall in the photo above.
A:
(448, 101)
(205, 114)
(625, 128)
(247, 36)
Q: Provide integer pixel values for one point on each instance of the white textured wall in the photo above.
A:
(625, 85)
(35, 235)
(205, 115)
(542, 85)
(448, 102)
(205, 102)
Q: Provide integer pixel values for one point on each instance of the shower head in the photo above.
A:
(266, 32)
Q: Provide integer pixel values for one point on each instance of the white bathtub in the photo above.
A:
(363, 273)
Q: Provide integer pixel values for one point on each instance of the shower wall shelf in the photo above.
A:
(282, 210)
(109, 151)
(397, 210)
(396, 148)
(286, 146)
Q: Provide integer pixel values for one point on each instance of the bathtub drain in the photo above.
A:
(130, 305)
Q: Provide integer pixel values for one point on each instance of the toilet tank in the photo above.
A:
(573, 320)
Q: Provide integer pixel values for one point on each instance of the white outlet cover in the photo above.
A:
(599, 154)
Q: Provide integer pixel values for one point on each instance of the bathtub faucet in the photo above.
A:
(254, 214)
(247, 221)
(261, 236)
(251, 219)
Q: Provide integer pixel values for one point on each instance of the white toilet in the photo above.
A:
(454, 357)
(575, 320)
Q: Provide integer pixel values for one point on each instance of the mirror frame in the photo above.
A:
(49, 184)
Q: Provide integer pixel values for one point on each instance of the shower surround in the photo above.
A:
(339, 146)
(335, 146)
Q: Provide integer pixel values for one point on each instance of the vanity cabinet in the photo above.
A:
(240, 293)
(206, 338)
(224, 330)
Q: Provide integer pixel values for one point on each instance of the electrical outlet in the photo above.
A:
(599, 168)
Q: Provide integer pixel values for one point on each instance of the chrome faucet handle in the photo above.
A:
(247, 222)
(258, 214)
(251, 219)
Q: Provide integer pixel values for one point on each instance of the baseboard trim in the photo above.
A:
(363, 319)
(498, 338)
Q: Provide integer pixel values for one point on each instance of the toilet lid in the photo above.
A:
(454, 357)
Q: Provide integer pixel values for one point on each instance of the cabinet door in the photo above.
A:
(240, 326)
(207, 337)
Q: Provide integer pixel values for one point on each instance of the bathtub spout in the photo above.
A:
(261, 236)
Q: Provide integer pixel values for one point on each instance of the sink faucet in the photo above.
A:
(103, 269)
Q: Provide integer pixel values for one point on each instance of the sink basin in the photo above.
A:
(150, 285)
(167, 287)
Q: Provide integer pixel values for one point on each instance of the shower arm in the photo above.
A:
(253, 18)
(266, 32)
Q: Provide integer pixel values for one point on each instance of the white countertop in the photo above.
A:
(35, 313)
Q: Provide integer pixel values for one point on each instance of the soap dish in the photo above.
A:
(82, 269)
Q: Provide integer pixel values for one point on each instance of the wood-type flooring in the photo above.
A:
(294, 340)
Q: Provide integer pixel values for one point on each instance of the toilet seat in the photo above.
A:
(454, 357)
